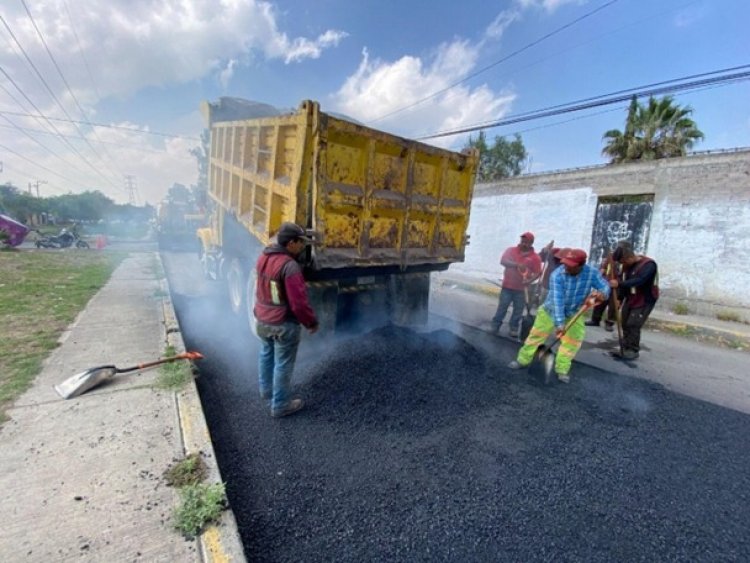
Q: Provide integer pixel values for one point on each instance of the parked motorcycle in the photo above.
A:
(64, 239)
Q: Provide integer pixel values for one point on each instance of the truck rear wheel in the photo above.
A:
(236, 281)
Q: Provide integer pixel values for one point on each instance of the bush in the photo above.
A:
(680, 309)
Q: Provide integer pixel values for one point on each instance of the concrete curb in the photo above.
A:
(221, 542)
(658, 321)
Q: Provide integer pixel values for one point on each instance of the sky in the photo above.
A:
(105, 94)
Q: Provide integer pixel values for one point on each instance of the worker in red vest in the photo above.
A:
(639, 291)
(281, 306)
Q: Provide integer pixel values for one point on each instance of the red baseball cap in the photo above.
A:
(528, 235)
(572, 257)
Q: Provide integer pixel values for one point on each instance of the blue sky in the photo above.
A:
(147, 64)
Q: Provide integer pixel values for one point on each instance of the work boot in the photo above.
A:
(292, 407)
(513, 333)
(515, 365)
(495, 327)
(592, 322)
(563, 378)
(625, 354)
(609, 327)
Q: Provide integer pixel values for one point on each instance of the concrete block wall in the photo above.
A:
(699, 227)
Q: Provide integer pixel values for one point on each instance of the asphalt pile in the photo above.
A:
(421, 447)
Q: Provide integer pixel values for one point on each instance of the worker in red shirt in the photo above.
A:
(522, 266)
(281, 306)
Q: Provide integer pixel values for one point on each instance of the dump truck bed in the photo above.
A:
(370, 198)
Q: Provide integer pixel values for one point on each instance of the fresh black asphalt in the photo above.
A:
(424, 447)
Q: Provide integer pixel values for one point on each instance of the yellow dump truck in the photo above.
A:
(383, 211)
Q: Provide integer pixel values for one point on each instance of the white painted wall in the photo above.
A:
(699, 234)
(497, 221)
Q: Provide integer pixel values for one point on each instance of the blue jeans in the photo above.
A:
(508, 296)
(278, 353)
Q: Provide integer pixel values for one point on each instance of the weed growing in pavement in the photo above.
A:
(189, 471)
(201, 504)
(730, 316)
(174, 375)
(41, 293)
(680, 309)
(681, 330)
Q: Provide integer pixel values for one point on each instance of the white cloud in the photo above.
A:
(498, 26)
(548, 5)
(132, 44)
(226, 75)
(378, 88)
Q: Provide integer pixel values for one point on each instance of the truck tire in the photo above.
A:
(236, 282)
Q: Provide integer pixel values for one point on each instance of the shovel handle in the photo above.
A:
(183, 356)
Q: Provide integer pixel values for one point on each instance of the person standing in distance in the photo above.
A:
(522, 266)
(281, 306)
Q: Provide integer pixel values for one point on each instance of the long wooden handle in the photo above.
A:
(183, 356)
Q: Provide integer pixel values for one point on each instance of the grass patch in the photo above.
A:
(200, 505)
(40, 295)
(730, 316)
(680, 309)
(681, 330)
(174, 375)
(189, 471)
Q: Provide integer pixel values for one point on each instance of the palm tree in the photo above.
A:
(660, 129)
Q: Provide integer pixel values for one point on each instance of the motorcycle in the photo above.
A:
(64, 239)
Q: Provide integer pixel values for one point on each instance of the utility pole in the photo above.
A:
(132, 190)
(37, 184)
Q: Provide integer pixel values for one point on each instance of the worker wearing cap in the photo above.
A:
(522, 266)
(281, 306)
(640, 291)
(570, 285)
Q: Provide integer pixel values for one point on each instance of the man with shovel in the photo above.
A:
(639, 288)
(522, 266)
(281, 305)
(569, 289)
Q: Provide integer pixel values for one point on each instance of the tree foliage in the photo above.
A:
(658, 129)
(501, 160)
(89, 206)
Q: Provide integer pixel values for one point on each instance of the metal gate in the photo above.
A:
(620, 218)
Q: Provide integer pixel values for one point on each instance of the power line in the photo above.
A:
(52, 94)
(123, 127)
(497, 62)
(603, 100)
(70, 90)
(80, 50)
(19, 155)
(42, 132)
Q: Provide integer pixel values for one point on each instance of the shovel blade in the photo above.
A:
(79, 383)
(541, 368)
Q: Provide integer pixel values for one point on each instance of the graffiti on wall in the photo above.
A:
(620, 218)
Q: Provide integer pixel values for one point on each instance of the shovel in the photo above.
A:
(544, 358)
(528, 319)
(81, 382)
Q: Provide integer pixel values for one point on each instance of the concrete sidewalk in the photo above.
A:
(83, 479)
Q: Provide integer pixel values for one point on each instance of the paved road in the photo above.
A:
(422, 447)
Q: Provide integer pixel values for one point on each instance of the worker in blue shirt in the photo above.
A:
(570, 285)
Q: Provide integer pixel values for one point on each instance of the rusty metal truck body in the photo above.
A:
(383, 211)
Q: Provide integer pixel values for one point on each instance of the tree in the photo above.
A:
(659, 129)
(502, 160)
